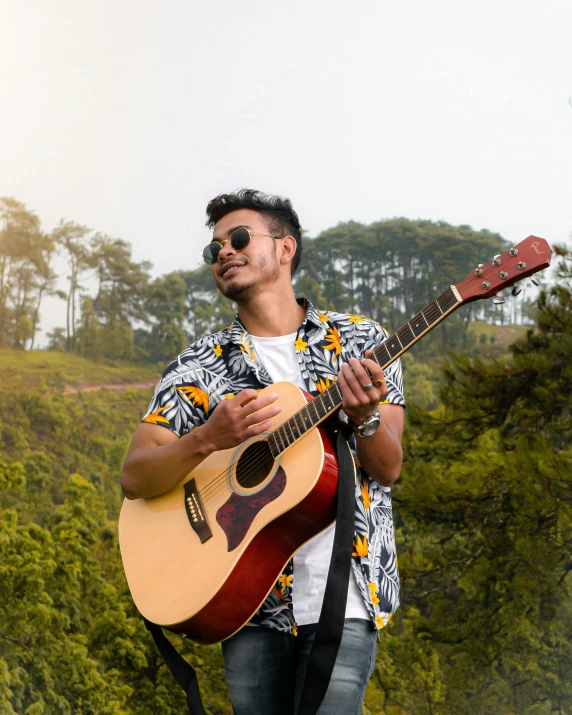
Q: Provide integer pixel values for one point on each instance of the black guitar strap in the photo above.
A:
(331, 624)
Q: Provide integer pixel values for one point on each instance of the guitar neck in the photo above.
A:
(330, 400)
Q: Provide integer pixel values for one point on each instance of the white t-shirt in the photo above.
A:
(312, 561)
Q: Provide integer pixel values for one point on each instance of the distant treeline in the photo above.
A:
(388, 270)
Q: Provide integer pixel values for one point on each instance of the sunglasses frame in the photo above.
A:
(250, 232)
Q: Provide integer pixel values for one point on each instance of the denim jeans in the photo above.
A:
(265, 669)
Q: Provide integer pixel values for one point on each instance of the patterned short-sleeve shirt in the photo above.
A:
(220, 365)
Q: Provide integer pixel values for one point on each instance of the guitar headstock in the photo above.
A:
(503, 271)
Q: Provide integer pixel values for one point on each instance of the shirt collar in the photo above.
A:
(237, 331)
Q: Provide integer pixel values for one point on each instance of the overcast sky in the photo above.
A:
(128, 116)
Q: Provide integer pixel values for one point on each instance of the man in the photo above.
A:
(256, 248)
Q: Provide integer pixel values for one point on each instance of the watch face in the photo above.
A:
(369, 426)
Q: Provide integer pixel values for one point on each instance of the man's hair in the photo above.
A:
(278, 212)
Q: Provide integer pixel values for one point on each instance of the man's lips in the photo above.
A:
(230, 267)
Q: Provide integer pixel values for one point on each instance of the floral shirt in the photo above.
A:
(219, 366)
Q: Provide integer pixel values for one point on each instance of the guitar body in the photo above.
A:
(252, 514)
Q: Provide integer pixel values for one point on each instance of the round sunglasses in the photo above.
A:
(238, 239)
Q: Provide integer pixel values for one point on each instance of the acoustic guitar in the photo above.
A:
(201, 558)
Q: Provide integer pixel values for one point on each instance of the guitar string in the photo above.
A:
(220, 480)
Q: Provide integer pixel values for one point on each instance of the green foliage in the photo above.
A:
(485, 511)
(70, 638)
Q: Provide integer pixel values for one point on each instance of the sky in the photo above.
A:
(129, 116)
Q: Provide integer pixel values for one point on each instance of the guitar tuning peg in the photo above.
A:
(534, 281)
(516, 290)
(498, 299)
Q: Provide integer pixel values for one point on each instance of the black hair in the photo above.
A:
(281, 217)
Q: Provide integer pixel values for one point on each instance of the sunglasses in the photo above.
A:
(238, 239)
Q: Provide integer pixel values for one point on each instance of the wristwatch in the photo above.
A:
(367, 427)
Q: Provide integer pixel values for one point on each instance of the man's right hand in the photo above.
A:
(235, 420)
(157, 459)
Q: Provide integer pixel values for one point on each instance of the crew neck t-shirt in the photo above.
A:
(312, 560)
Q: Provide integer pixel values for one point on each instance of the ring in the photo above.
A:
(367, 387)
(379, 383)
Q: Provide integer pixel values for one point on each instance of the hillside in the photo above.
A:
(21, 369)
(72, 641)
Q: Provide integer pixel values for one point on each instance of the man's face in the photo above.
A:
(240, 275)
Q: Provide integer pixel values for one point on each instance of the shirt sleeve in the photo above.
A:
(393, 374)
(180, 403)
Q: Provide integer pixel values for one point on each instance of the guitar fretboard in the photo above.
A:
(330, 400)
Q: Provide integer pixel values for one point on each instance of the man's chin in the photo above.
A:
(234, 290)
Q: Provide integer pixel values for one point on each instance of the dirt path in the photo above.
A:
(70, 390)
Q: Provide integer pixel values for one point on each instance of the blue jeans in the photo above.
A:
(265, 669)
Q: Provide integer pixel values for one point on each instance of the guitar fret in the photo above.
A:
(404, 338)
(327, 392)
(417, 327)
(273, 445)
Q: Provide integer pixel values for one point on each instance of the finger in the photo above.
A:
(245, 396)
(258, 403)
(259, 428)
(261, 415)
(361, 375)
(377, 377)
(353, 385)
(375, 371)
(348, 396)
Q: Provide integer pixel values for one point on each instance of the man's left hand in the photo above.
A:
(359, 404)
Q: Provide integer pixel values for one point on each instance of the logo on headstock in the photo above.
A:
(535, 245)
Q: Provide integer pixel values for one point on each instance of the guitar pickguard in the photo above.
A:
(237, 514)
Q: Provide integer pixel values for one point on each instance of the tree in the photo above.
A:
(74, 241)
(25, 274)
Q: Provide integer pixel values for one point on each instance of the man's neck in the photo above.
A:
(271, 314)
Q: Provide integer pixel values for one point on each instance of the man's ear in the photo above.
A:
(289, 246)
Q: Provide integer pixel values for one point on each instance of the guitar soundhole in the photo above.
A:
(254, 465)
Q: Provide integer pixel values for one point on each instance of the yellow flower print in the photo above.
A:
(245, 347)
(379, 621)
(365, 495)
(217, 351)
(229, 396)
(155, 417)
(355, 319)
(300, 344)
(361, 547)
(333, 337)
(323, 318)
(373, 593)
(322, 385)
(294, 628)
(285, 581)
(195, 395)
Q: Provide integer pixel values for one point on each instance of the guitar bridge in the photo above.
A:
(195, 512)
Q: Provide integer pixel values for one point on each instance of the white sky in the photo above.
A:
(128, 116)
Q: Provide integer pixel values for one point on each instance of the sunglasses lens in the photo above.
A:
(239, 239)
(210, 252)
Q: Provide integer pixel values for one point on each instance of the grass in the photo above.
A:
(27, 370)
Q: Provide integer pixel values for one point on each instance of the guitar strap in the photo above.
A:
(331, 624)
(332, 616)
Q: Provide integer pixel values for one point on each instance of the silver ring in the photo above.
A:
(367, 387)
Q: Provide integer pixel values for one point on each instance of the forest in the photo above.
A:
(483, 507)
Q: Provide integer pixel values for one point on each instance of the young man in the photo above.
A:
(256, 248)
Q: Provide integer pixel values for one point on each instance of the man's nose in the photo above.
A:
(226, 251)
